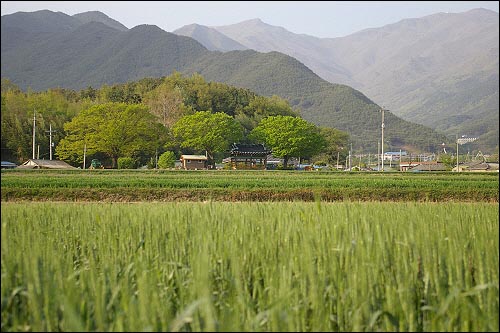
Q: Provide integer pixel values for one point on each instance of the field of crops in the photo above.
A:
(118, 250)
(151, 185)
(254, 266)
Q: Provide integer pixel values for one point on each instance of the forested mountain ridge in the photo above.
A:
(94, 54)
(322, 103)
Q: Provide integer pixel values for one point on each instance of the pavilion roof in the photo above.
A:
(249, 149)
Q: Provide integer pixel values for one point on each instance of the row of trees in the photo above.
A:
(120, 130)
(146, 118)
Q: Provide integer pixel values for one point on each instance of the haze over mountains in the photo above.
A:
(440, 70)
(44, 49)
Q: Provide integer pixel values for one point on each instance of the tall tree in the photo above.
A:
(114, 129)
(289, 137)
(212, 132)
(166, 104)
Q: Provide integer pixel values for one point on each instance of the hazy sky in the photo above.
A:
(316, 18)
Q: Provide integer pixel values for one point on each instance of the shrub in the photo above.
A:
(126, 163)
(166, 160)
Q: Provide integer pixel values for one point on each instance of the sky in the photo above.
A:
(316, 18)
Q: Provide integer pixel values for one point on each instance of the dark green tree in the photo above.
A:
(336, 145)
(289, 137)
(206, 131)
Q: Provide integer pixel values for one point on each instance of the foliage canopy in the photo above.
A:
(289, 136)
(114, 129)
(212, 132)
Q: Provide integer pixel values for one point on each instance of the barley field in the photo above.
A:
(250, 266)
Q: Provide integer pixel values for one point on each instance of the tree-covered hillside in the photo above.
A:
(318, 101)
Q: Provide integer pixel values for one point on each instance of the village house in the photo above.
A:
(194, 162)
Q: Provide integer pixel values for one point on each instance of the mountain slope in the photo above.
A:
(433, 70)
(95, 54)
(210, 38)
(323, 103)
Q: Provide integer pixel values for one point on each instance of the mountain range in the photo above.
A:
(440, 70)
(42, 50)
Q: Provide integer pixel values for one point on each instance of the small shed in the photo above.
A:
(45, 164)
(194, 162)
(248, 156)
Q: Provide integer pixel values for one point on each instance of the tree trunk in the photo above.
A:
(285, 161)
(210, 159)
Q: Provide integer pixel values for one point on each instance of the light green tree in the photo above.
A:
(206, 131)
(289, 137)
(114, 129)
(166, 160)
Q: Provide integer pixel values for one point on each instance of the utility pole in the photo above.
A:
(338, 154)
(378, 156)
(84, 154)
(350, 151)
(383, 125)
(400, 159)
(34, 129)
(50, 139)
(156, 159)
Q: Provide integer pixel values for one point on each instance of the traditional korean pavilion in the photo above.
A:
(248, 156)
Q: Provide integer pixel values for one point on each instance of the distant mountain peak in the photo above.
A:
(96, 16)
(255, 20)
(212, 39)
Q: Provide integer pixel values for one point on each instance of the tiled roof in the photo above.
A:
(246, 149)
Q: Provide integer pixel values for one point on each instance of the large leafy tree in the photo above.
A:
(113, 129)
(289, 137)
(336, 144)
(211, 132)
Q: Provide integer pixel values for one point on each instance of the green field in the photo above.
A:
(249, 251)
(250, 266)
(151, 185)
